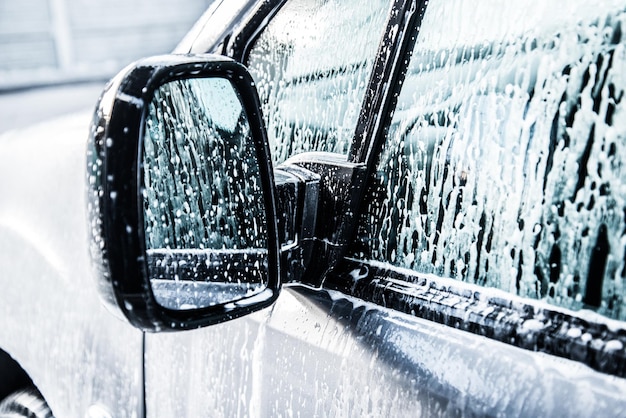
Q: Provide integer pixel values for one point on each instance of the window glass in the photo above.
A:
(311, 66)
(506, 156)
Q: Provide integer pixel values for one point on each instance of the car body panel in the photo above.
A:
(320, 353)
(74, 350)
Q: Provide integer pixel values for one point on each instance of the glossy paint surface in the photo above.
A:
(51, 318)
(323, 354)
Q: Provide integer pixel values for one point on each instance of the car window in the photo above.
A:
(311, 66)
(505, 160)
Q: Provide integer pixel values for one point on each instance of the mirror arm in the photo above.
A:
(297, 196)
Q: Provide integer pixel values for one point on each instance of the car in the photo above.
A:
(338, 208)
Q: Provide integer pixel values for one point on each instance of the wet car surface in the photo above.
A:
(390, 209)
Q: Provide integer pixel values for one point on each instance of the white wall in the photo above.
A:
(49, 41)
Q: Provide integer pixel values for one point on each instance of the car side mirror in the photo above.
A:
(181, 194)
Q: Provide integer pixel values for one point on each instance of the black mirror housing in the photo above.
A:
(116, 194)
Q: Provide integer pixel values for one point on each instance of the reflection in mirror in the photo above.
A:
(204, 212)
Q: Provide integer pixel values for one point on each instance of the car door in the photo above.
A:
(486, 199)
(383, 328)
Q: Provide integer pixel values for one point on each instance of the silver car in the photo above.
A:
(330, 208)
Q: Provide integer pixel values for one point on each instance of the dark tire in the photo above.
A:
(25, 403)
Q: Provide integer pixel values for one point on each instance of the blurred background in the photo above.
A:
(47, 41)
(55, 55)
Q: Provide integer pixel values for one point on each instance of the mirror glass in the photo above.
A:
(204, 212)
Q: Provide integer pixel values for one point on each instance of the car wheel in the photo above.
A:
(25, 403)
